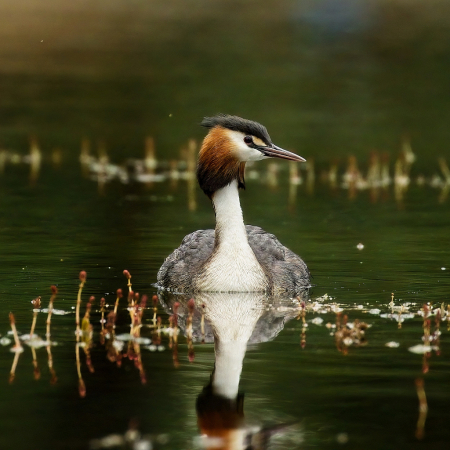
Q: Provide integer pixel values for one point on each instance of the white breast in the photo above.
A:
(233, 266)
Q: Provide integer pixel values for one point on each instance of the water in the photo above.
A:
(329, 80)
(363, 395)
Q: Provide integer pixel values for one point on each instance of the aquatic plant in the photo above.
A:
(119, 295)
(82, 277)
(128, 277)
(81, 385)
(302, 315)
(36, 305)
(191, 307)
(349, 334)
(17, 348)
(423, 408)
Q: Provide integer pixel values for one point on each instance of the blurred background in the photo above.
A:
(327, 78)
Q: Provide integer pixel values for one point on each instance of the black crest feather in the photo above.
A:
(236, 123)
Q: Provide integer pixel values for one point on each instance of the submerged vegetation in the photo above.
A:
(156, 326)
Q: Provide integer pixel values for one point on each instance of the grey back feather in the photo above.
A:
(286, 272)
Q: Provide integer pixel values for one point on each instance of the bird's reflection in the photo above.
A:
(231, 321)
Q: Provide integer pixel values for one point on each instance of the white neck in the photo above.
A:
(230, 228)
(233, 265)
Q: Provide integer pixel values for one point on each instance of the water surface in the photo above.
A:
(344, 84)
(361, 394)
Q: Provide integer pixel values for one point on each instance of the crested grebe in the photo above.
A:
(233, 257)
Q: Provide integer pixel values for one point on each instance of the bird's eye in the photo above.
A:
(248, 139)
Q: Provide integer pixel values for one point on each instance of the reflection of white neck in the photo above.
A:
(228, 367)
(233, 266)
(233, 318)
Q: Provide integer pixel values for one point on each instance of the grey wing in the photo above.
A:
(180, 267)
(286, 270)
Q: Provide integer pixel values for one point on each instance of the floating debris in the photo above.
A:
(317, 321)
(392, 344)
(398, 317)
(349, 333)
(38, 343)
(118, 345)
(421, 349)
(112, 440)
(342, 438)
(5, 341)
(124, 337)
(142, 340)
(324, 297)
(16, 349)
(56, 312)
(27, 337)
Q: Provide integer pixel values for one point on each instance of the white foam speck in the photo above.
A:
(5, 341)
(124, 337)
(16, 349)
(143, 340)
(118, 345)
(420, 349)
(392, 344)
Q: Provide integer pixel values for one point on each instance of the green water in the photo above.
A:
(328, 80)
(51, 231)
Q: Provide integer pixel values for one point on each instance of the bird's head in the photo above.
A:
(230, 143)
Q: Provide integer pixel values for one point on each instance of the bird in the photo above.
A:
(233, 257)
